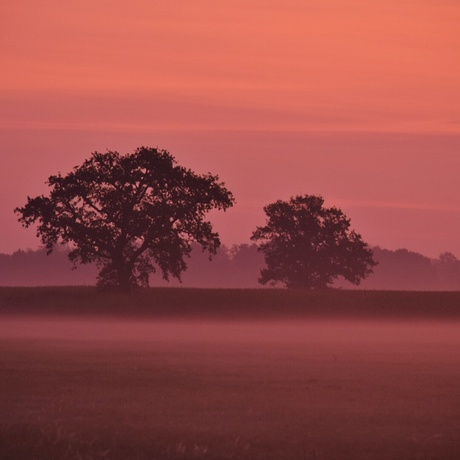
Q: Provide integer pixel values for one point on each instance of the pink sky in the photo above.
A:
(358, 101)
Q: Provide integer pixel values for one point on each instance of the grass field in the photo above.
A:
(230, 303)
(185, 386)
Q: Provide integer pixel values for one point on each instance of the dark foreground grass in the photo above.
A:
(229, 374)
(229, 303)
(229, 390)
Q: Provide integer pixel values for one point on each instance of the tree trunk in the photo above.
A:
(125, 277)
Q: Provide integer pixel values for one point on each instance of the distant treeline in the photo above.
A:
(237, 267)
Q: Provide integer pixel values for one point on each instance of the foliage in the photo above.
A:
(236, 267)
(403, 270)
(307, 246)
(129, 214)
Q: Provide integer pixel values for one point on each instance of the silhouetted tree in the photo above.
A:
(246, 257)
(307, 246)
(401, 270)
(448, 268)
(35, 268)
(247, 261)
(129, 214)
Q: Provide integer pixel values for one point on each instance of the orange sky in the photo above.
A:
(356, 100)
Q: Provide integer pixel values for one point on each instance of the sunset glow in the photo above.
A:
(356, 101)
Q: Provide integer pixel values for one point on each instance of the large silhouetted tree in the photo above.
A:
(130, 214)
(307, 246)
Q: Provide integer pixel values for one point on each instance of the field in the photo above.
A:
(238, 383)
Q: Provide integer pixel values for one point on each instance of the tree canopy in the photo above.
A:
(130, 214)
(307, 246)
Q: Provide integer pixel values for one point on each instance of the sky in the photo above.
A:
(358, 101)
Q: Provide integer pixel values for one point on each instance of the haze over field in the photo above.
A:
(358, 102)
(236, 267)
(329, 390)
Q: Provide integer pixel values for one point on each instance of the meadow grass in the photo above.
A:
(229, 303)
(232, 390)
(228, 374)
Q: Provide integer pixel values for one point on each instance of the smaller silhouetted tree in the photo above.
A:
(307, 246)
(129, 214)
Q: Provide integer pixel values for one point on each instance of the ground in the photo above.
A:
(113, 388)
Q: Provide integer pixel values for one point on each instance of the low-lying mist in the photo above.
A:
(130, 388)
(302, 332)
(236, 267)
